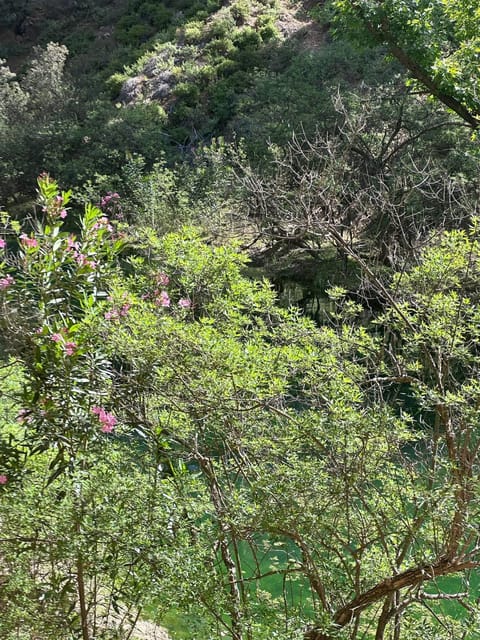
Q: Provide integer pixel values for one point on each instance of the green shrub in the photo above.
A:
(114, 83)
(192, 32)
(227, 67)
(219, 47)
(207, 73)
(222, 27)
(213, 5)
(155, 14)
(188, 92)
(247, 38)
(240, 11)
(268, 32)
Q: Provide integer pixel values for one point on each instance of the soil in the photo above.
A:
(144, 630)
(148, 631)
(296, 23)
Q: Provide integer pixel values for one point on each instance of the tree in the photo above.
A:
(381, 183)
(34, 113)
(300, 481)
(437, 41)
(355, 453)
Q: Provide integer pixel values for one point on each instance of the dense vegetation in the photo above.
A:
(240, 358)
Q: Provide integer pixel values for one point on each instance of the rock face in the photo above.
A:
(160, 90)
(156, 64)
(155, 81)
(132, 89)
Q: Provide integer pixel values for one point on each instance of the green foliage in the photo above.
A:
(141, 21)
(436, 40)
(193, 32)
(240, 11)
(193, 445)
(173, 443)
(33, 113)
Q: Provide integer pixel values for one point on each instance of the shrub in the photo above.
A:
(247, 38)
(188, 92)
(240, 10)
(192, 32)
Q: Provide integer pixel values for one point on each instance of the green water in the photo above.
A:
(293, 593)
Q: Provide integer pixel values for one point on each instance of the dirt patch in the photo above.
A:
(122, 621)
(148, 631)
(295, 23)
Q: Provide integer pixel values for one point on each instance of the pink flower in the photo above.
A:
(185, 303)
(23, 415)
(83, 261)
(107, 198)
(70, 348)
(103, 222)
(3, 479)
(163, 300)
(6, 282)
(3, 244)
(28, 242)
(72, 244)
(55, 337)
(59, 198)
(107, 420)
(63, 214)
(116, 314)
(163, 279)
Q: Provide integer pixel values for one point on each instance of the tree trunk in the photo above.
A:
(386, 588)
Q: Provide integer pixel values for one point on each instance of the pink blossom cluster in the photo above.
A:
(69, 346)
(103, 223)
(110, 203)
(162, 279)
(107, 420)
(28, 242)
(161, 298)
(81, 259)
(116, 314)
(72, 243)
(3, 479)
(58, 208)
(3, 244)
(24, 415)
(108, 198)
(6, 282)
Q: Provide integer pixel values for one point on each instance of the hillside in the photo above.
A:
(257, 70)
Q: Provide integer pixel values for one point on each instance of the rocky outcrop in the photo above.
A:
(155, 81)
(132, 89)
